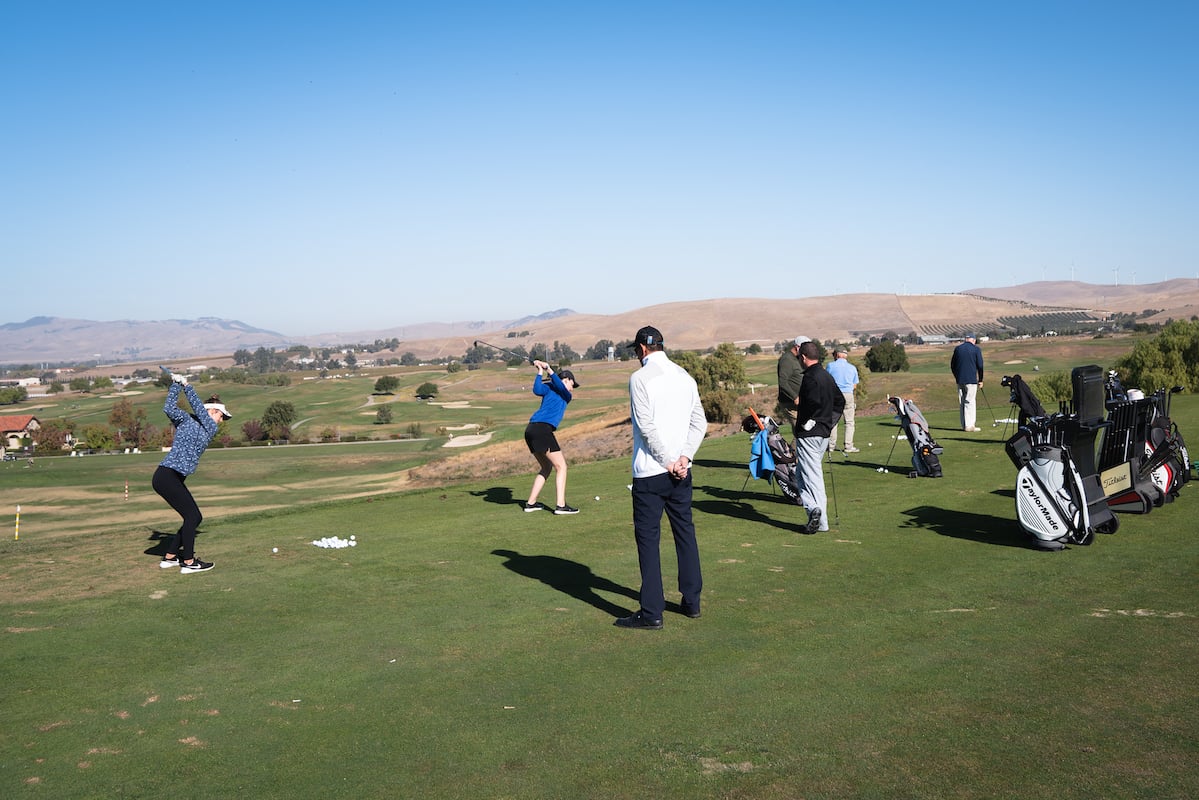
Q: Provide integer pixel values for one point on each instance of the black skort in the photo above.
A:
(539, 436)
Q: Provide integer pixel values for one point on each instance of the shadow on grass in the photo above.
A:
(500, 495)
(984, 528)
(161, 541)
(736, 504)
(569, 577)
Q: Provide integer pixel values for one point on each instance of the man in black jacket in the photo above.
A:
(820, 406)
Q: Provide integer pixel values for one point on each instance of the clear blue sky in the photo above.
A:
(341, 166)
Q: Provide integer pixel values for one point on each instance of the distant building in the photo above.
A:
(934, 338)
(16, 427)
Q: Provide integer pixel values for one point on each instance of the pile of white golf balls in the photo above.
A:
(335, 542)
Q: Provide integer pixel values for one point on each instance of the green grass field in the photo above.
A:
(464, 649)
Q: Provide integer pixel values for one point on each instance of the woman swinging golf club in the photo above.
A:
(555, 393)
(193, 432)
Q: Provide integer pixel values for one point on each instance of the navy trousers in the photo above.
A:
(651, 497)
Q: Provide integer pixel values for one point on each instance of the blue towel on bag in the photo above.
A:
(761, 461)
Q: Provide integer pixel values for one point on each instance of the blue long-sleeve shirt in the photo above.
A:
(193, 431)
(554, 397)
(967, 363)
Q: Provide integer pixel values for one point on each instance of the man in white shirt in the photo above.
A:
(668, 427)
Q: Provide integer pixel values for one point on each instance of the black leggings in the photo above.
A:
(169, 485)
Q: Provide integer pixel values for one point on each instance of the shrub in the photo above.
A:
(721, 405)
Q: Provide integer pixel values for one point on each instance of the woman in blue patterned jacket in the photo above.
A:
(193, 432)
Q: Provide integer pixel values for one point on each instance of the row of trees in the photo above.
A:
(129, 427)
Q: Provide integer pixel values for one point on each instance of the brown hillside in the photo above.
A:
(744, 321)
(1175, 299)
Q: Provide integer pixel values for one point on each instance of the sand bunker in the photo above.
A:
(467, 441)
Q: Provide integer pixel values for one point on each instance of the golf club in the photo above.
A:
(832, 482)
(894, 441)
(502, 350)
(983, 391)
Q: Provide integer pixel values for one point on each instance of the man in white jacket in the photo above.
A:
(668, 428)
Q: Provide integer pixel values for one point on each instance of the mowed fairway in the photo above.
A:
(464, 649)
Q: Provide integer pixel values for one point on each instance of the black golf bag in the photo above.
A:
(1059, 498)
(925, 450)
(1144, 459)
(771, 448)
(1022, 397)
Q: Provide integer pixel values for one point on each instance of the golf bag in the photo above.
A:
(771, 456)
(925, 450)
(1144, 459)
(1050, 499)
(1059, 497)
(1022, 398)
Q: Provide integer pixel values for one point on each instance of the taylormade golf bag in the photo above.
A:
(1059, 499)
(1051, 502)
(771, 456)
(925, 450)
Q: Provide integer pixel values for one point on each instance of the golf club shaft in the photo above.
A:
(988, 402)
(833, 484)
(894, 441)
(502, 350)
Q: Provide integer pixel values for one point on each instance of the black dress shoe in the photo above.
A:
(691, 611)
(638, 620)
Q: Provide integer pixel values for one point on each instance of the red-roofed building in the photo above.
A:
(15, 427)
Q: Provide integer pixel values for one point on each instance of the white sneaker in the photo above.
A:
(852, 450)
(167, 563)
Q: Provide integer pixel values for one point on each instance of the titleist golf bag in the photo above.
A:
(925, 450)
(771, 456)
(1059, 499)
(1144, 460)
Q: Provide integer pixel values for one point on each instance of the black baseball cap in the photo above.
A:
(565, 373)
(649, 335)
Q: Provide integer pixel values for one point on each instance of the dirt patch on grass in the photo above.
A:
(609, 436)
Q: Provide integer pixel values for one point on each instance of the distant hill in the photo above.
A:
(687, 325)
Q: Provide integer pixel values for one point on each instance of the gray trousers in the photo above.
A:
(809, 474)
